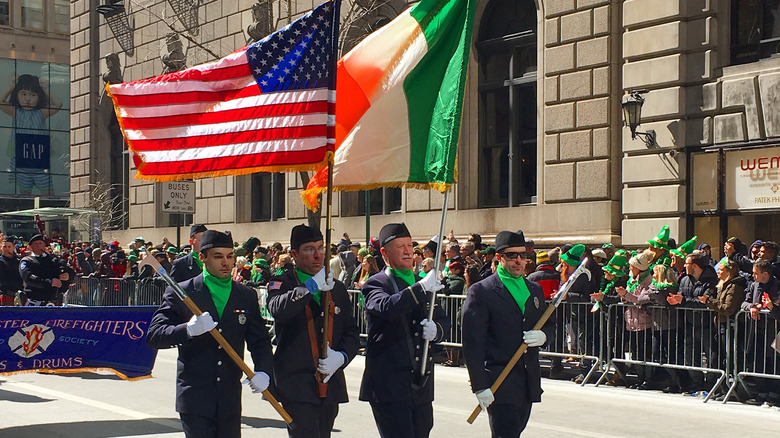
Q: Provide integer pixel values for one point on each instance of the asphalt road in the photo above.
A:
(100, 405)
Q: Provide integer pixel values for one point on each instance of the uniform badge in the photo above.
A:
(536, 302)
(337, 310)
(242, 319)
(23, 265)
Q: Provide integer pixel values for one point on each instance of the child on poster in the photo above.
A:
(26, 101)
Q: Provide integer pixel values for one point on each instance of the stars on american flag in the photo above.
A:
(284, 59)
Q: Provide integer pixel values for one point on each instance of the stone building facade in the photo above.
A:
(543, 147)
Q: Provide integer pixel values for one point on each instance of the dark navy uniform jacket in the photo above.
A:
(185, 268)
(294, 364)
(391, 368)
(493, 326)
(206, 376)
(10, 278)
(37, 273)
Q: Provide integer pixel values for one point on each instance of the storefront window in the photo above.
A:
(755, 30)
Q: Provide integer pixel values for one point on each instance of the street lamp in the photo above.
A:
(632, 113)
(114, 13)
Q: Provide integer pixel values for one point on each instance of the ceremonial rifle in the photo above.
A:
(538, 326)
(151, 261)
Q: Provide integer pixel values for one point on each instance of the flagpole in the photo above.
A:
(437, 268)
(327, 303)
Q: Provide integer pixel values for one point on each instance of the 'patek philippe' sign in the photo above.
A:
(753, 179)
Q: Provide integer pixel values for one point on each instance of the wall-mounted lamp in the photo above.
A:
(632, 113)
(187, 12)
(114, 13)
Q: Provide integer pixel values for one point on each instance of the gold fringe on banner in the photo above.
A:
(74, 371)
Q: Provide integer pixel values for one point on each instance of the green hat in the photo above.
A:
(172, 250)
(132, 258)
(363, 252)
(262, 263)
(662, 239)
(140, 239)
(686, 248)
(617, 264)
(724, 261)
(573, 257)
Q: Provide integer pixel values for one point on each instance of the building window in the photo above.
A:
(5, 13)
(507, 50)
(380, 201)
(755, 30)
(32, 14)
(62, 16)
(268, 190)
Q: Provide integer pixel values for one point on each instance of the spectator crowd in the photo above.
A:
(648, 284)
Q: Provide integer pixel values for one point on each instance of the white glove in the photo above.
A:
(429, 329)
(259, 382)
(534, 338)
(431, 282)
(330, 364)
(200, 324)
(485, 398)
(329, 283)
(317, 282)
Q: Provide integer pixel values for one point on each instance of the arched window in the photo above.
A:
(507, 48)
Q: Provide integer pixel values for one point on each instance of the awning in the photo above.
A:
(49, 213)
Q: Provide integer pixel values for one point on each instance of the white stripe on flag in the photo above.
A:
(226, 127)
(275, 98)
(232, 150)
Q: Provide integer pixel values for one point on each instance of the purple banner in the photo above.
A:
(69, 339)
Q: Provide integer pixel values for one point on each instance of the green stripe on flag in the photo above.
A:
(434, 88)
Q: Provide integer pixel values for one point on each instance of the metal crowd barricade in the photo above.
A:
(681, 339)
(148, 291)
(578, 335)
(359, 311)
(754, 356)
(452, 306)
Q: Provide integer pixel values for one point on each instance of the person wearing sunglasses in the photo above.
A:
(295, 300)
(498, 317)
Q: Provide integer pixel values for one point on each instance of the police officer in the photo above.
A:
(396, 304)
(295, 302)
(10, 277)
(208, 384)
(497, 309)
(45, 277)
(189, 266)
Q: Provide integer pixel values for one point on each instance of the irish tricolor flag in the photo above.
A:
(399, 96)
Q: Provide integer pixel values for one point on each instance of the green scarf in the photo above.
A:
(516, 287)
(197, 261)
(404, 274)
(220, 290)
(635, 282)
(302, 277)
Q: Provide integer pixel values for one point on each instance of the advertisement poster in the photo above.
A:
(753, 179)
(34, 128)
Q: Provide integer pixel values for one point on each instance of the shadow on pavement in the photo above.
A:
(261, 423)
(92, 429)
(21, 398)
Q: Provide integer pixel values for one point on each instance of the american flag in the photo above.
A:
(266, 107)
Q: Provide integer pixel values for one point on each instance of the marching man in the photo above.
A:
(208, 382)
(498, 316)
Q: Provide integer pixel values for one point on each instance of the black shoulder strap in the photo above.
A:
(408, 335)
